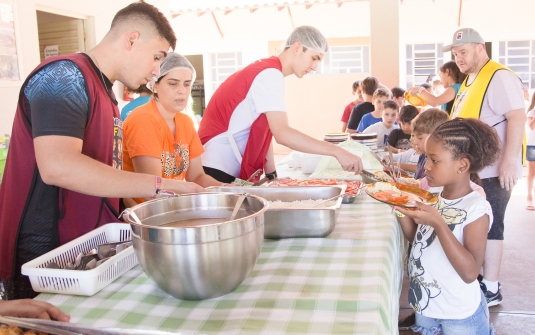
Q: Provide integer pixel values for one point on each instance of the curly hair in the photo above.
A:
(471, 139)
(382, 92)
(450, 68)
(143, 12)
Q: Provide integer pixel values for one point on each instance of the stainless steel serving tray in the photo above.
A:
(295, 222)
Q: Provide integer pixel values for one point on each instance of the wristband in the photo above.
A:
(272, 175)
(158, 183)
(399, 214)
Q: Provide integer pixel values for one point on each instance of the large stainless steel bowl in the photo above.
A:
(189, 248)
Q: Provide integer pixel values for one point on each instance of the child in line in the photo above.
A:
(449, 238)
(368, 86)
(421, 127)
(400, 139)
(398, 95)
(357, 92)
(388, 124)
(379, 97)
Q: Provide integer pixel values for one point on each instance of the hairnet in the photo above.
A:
(171, 62)
(310, 38)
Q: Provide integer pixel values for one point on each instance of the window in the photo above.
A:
(346, 59)
(422, 60)
(223, 65)
(519, 56)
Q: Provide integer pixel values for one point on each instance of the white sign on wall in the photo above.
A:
(51, 50)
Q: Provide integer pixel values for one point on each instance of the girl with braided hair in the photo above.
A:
(449, 238)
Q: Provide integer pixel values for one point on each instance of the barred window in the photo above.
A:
(421, 61)
(223, 65)
(519, 56)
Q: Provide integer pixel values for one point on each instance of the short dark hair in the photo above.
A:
(426, 85)
(356, 85)
(398, 92)
(391, 104)
(369, 85)
(407, 113)
(142, 11)
(427, 121)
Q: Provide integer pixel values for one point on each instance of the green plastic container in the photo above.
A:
(3, 156)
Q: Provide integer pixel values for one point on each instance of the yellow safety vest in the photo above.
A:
(469, 99)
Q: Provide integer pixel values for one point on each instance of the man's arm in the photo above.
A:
(61, 163)
(516, 119)
(270, 160)
(294, 139)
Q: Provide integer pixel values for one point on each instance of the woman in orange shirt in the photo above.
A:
(158, 138)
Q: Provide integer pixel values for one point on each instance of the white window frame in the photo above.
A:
(224, 64)
(519, 56)
(422, 59)
(339, 58)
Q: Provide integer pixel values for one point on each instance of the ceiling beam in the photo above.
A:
(217, 25)
(291, 17)
(460, 8)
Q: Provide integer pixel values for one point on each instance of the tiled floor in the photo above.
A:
(516, 314)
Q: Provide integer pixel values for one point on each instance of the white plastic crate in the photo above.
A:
(80, 282)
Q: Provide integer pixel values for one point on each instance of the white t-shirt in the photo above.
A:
(382, 133)
(436, 290)
(266, 94)
(505, 93)
(530, 133)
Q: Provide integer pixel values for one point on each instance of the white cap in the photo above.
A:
(172, 61)
(463, 36)
(310, 38)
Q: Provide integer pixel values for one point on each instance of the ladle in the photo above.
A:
(237, 206)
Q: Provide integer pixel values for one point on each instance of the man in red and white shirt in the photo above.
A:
(248, 110)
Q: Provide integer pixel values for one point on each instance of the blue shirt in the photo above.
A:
(133, 105)
(456, 87)
(366, 121)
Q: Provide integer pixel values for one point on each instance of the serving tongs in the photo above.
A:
(67, 328)
(251, 177)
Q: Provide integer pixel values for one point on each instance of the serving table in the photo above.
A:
(346, 283)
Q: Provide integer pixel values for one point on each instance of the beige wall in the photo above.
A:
(315, 103)
(98, 13)
(384, 50)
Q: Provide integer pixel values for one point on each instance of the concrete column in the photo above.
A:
(384, 50)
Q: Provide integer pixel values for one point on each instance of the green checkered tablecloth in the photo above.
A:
(347, 283)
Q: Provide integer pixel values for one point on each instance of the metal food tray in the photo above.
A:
(295, 222)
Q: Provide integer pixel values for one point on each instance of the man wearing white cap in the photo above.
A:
(247, 111)
(492, 93)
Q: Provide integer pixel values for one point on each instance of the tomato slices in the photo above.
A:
(352, 186)
(393, 197)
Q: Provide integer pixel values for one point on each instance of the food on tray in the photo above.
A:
(299, 203)
(337, 174)
(382, 176)
(409, 181)
(391, 194)
(352, 186)
(14, 330)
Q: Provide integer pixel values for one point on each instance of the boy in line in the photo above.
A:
(368, 86)
(388, 124)
(379, 97)
(399, 96)
(357, 92)
(400, 139)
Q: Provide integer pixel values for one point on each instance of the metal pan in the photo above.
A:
(295, 222)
